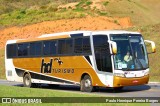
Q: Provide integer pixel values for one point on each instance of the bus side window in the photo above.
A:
(78, 45)
(82, 46)
(69, 46)
(53, 47)
(65, 46)
(36, 49)
(11, 50)
(46, 47)
(23, 49)
(102, 53)
(86, 46)
(61, 47)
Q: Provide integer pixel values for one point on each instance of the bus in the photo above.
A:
(89, 59)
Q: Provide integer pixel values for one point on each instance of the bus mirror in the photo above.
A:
(153, 46)
(114, 47)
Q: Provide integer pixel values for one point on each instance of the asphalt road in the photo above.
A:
(149, 90)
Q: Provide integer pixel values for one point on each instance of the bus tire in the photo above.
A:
(27, 81)
(86, 84)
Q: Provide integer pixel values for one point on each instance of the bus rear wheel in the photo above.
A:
(86, 84)
(27, 81)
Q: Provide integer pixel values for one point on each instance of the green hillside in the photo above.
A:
(142, 12)
(22, 12)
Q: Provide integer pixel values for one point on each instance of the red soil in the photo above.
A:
(87, 23)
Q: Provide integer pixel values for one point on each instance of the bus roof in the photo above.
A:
(63, 33)
(85, 33)
(114, 32)
(93, 32)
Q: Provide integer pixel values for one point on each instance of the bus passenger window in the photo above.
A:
(53, 47)
(38, 49)
(61, 47)
(86, 46)
(78, 45)
(69, 46)
(46, 46)
(35, 48)
(23, 49)
(11, 50)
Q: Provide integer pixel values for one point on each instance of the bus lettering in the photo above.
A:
(46, 67)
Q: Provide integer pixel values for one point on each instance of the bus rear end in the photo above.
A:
(10, 51)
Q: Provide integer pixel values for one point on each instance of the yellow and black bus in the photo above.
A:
(86, 58)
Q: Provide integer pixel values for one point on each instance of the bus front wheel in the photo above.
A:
(86, 84)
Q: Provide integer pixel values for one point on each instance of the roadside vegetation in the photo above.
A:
(2, 68)
(13, 91)
(21, 12)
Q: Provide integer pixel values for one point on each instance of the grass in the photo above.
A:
(24, 17)
(7, 6)
(141, 13)
(105, 3)
(2, 69)
(30, 12)
(12, 91)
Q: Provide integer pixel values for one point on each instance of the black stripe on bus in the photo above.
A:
(41, 77)
(88, 59)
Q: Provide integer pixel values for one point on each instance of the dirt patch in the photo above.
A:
(87, 23)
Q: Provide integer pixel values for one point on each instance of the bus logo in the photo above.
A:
(59, 61)
(46, 67)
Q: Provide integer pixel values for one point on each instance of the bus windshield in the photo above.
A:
(131, 52)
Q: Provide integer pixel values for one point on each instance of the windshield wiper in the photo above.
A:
(138, 60)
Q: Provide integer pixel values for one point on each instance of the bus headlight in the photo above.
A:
(119, 74)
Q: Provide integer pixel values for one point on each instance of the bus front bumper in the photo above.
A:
(120, 81)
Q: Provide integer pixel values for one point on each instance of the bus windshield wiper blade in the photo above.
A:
(140, 63)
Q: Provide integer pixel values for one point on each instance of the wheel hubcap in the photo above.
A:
(87, 83)
(27, 81)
